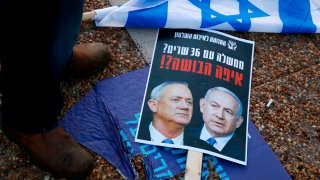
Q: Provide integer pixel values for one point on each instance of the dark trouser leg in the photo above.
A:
(34, 55)
(34, 51)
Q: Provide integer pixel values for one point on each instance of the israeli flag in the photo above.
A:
(275, 16)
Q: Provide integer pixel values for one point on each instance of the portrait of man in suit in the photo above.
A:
(171, 104)
(221, 112)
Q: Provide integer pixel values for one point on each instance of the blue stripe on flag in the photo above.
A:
(148, 18)
(296, 16)
(240, 22)
(146, 3)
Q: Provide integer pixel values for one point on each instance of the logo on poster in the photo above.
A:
(232, 45)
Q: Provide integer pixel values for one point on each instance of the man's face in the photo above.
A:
(219, 113)
(175, 105)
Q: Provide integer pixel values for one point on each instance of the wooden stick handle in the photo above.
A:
(193, 166)
(88, 15)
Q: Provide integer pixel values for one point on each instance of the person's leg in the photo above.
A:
(40, 54)
(35, 52)
(32, 60)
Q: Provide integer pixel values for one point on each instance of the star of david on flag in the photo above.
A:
(275, 16)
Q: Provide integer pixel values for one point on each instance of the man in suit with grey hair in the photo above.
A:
(171, 104)
(221, 112)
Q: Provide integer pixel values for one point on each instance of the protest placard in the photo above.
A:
(198, 90)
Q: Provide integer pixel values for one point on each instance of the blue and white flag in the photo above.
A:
(275, 16)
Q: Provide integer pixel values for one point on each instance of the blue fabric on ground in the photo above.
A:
(106, 120)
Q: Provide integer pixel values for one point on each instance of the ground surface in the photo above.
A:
(286, 69)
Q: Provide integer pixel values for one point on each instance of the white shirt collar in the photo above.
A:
(221, 141)
(157, 137)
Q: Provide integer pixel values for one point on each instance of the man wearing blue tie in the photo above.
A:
(171, 104)
(221, 112)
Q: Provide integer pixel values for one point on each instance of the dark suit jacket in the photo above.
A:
(144, 132)
(235, 148)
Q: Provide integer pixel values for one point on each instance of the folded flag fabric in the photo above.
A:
(275, 16)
